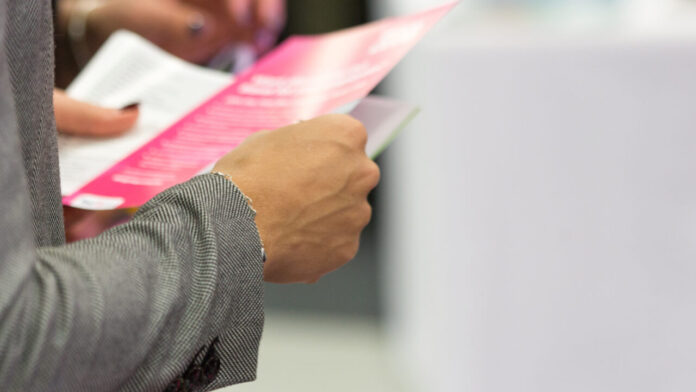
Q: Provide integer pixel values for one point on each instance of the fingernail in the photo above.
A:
(132, 106)
(196, 25)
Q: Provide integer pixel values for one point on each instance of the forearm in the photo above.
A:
(128, 309)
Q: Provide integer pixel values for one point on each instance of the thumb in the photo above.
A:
(83, 119)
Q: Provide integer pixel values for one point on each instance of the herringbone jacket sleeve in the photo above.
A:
(130, 309)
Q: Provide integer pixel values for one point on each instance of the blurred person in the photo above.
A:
(171, 300)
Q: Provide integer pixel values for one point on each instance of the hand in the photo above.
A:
(309, 184)
(194, 30)
(83, 119)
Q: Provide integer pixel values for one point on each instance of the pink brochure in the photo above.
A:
(304, 77)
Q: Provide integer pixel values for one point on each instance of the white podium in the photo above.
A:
(540, 216)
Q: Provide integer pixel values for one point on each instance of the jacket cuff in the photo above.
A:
(238, 317)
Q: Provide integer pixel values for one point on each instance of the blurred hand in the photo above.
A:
(194, 30)
(83, 119)
(309, 184)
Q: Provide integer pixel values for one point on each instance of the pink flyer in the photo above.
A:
(304, 77)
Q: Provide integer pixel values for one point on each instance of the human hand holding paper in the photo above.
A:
(79, 118)
(83, 119)
(310, 207)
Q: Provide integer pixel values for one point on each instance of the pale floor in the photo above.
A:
(308, 353)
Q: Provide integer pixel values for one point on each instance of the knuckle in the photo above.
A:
(349, 251)
(351, 128)
(340, 118)
(359, 132)
(373, 172)
(365, 214)
(360, 217)
(368, 174)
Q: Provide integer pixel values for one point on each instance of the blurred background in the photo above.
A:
(535, 229)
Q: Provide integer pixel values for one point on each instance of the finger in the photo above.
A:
(363, 216)
(269, 20)
(264, 40)
(242, 12)
(347, 252)
(84, 119)
(270, 14)
(370, 176)
(349, 128)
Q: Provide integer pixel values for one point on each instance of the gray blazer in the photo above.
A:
(128, 310)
